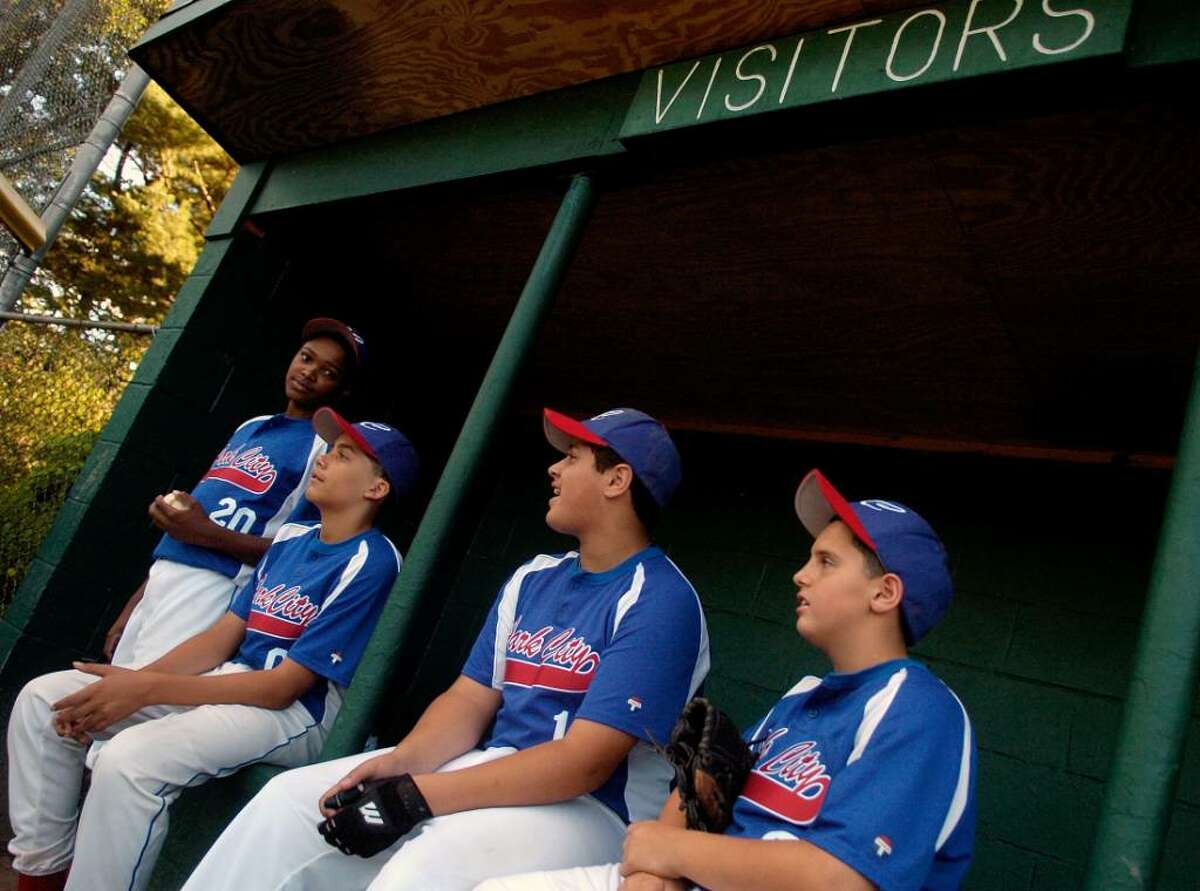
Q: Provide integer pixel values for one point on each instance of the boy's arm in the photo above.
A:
(552, 771)
(120, 692)
(719, 862)
(191, 525)
(118, 627)
(451, 725)
(204, 651)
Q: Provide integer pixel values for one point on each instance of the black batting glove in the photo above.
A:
(374, 815)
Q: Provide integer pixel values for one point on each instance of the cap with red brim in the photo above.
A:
(383, 444)
(641, 441)
(903, 541)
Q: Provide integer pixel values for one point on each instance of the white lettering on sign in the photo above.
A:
(989, 30)
(940, 42)
(708, 89)
(1089, 23)
(937, 42)
(659, 111)
(853, 29)
(787, 81)
(740, 75)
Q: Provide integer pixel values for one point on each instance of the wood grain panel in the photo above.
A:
(273, 76)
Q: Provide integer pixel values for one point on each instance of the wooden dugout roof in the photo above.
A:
(1002, 266)
(267, 77)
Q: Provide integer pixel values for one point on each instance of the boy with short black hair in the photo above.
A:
(864, 778)
(215, 536)
(263, 684)
(584, 660)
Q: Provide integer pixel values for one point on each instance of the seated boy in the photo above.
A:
(864, 778)
(215, 536)
(261, 685)
(584, 659)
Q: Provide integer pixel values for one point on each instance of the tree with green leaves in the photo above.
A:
(139, 226)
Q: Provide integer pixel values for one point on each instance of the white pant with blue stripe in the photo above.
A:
(149, 758)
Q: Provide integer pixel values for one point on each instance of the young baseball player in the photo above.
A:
(261, 685)
(864, 778)
(215, 536)
(584, 659)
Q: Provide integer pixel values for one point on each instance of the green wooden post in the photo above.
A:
(1141, 785)
(392, 634)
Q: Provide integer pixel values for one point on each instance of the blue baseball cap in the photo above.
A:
(642, 442)
(386, 445)
(904, 543)
(353, 342)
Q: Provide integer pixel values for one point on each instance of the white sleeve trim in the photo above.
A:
(506, 616)
(630, 597)
(806, 683)
(703, 657)
(249, 421)
(293, 530)
(958, 804)
(289, 504)
(348, 574)
(873, 712)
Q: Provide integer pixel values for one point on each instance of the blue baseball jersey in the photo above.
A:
(255, 485)
(625, 648)
(317, 605)
(876, 768)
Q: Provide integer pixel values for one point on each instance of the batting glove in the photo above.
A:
(374, 815)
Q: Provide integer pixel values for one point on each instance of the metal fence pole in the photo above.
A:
(87, 158)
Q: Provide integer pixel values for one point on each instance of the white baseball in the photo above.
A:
(175, 499)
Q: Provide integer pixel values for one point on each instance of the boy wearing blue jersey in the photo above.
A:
(584, 659)
(215, 536)
(263, 684)
(864, 778)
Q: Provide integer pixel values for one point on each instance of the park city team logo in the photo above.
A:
(562, 660)
(791, 784)
(282, 612)
(249, 469)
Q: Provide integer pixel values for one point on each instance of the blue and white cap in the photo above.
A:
(904, 543)
(384, 444)
(642, 442)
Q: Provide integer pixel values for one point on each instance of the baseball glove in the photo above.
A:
(372, 816)
(711, 762)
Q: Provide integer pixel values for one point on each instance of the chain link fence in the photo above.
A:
(60, 63)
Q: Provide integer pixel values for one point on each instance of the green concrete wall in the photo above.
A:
(1051, 564)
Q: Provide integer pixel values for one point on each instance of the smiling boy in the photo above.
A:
(584, 659)
(261, 685)
(864, 778)
(215, 536)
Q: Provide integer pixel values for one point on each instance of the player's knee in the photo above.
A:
(290, 787)
(34, 701)
(124, 759)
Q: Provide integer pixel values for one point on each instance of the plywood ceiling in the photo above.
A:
(273, 76)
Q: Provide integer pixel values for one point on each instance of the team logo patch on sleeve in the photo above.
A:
(634, 703)
(883, 846)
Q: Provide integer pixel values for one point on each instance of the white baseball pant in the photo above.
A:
(148, 759)
(180, 601)
(274, 844)
(579, 878)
